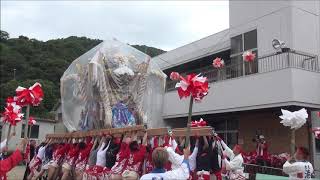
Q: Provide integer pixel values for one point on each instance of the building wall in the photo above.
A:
(294, 22)
(277, 136)
(44, 129)
(284, 87)
(305, 26)
(59, 127)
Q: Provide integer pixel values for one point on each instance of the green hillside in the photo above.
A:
(43, 61)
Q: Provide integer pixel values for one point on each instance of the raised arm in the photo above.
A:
(145, 139)
(234, 164)
(229, 151)
(13, 160)
(174, 158)
(289, 168)
(174, 144)
(183, 171)
(205, 140)
(193, 156)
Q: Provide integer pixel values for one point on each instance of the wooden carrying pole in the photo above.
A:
(26, 126)
(293, 142)
(8, 135)
(177, 132)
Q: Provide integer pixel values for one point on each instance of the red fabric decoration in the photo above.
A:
(195, 85)
(32, 96)
(318, 113)
(9, 163)
(175, 76)
(238, 148)
(200, 123)
(12, 113)
(218, 63)
(316, 132)
(31, 121)
(248, 56)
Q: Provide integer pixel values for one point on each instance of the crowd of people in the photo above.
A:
(130, 157)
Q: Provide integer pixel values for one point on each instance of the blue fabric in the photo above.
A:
(158, 170)
(187, 162)
(121, 116)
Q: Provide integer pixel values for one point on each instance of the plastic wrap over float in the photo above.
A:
(113, 85)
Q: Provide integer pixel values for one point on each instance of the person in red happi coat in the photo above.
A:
(13, 160)
(136, 158)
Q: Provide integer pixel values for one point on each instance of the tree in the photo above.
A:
(4, 35)
(45, 62)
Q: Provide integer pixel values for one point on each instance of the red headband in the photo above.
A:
(238, 148)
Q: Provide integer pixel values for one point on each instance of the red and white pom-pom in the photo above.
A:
(12, 113)
(194, 123)
(248, 56)
(295, 119)
(218, 63)
(200, 123)
(32, 96)
(31, 121)
(316, 132)
(195, 85)
(174, 76)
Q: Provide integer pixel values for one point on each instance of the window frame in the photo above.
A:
(243, 47)
(23, 128)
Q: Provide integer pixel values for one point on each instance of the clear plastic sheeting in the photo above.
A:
(112, 85)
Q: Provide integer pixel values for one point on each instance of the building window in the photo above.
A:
(34, 131)
(239, 44)
(236, 44)
(250, 40)
(227, 130)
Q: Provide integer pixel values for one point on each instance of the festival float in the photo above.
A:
(115, 88)
(113, 85)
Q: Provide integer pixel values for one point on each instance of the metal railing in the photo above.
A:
(253, 169)
(273, 62)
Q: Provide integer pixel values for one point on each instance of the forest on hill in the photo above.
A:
(24, 61)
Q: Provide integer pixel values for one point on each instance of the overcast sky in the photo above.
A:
(165, 25)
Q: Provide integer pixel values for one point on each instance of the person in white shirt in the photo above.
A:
(160, 157)
(234, 166)
(299, 167)
(37, 160)
(177, 159)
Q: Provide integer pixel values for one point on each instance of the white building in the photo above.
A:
(241, 103)
(38, 131)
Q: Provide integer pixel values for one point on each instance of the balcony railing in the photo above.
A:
(273, 62)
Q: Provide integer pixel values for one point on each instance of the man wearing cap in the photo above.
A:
(234, 166)
(298, 167)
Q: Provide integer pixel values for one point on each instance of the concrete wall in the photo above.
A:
(59, 127)
(295, 22)
(305, 26)
(44, 129)
(272, 89)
